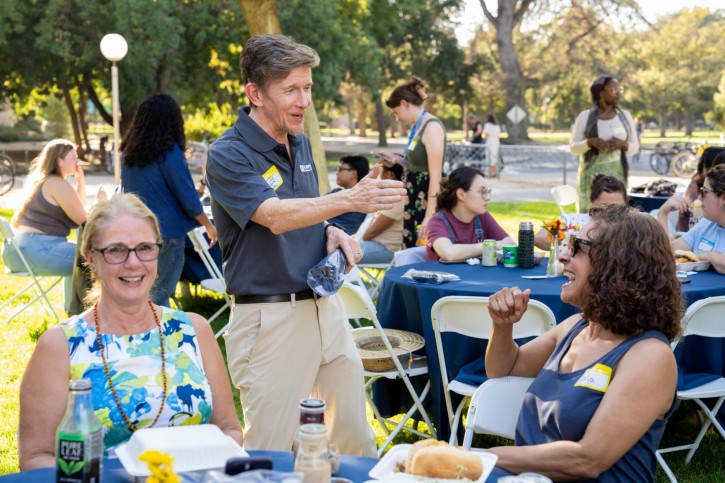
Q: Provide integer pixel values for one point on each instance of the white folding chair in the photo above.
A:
(703, 318)
(409, 255)
(358, 236)
(495, 407)
(469, 316)
(216, 282)
(358, 304)
(565, 195)
(41, 294)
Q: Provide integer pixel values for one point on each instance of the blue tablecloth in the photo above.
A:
(646, 203)
(404, 304)
(355, 468)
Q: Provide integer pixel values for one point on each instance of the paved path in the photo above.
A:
(516, 184)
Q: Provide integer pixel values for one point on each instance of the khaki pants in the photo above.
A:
(279, 353)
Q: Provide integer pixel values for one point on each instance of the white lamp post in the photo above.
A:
(114, 48)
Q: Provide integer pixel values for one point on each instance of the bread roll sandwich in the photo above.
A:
(685, 256)
(436, 459)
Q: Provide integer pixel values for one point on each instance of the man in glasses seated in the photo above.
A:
(351, 170)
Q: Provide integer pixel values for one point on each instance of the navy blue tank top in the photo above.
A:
(558, 407)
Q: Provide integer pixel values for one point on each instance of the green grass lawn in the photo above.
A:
(18, 339)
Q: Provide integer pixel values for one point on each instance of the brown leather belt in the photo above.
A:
(270, 299)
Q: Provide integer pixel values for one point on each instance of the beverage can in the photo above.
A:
(510, 256)
(488, 255)
(312, 411)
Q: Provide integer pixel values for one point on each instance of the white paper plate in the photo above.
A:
(384, 471)
(693, 266)
(193, 448)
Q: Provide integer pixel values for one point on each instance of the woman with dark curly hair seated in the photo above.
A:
(462, 220)
(605, 379)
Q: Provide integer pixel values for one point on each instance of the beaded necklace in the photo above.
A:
(128, 422)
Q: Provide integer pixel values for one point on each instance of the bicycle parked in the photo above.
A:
(7, 173)
(684, 164)
(661, 159)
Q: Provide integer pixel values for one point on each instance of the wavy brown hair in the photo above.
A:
(716, 176)
(632, 286)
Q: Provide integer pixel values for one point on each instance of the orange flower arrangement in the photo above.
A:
(555, 227)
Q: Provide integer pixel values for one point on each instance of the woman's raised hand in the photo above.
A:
(508, 305)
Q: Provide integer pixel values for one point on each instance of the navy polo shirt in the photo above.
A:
(256, 261)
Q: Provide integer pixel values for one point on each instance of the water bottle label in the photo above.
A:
(74, 464)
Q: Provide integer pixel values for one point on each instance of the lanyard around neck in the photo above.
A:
(410, 141)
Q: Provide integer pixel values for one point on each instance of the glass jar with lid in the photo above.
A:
(313, 457)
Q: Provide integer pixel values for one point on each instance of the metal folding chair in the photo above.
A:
(216, 282)
(41, 294)
(495, 408)
(703, 318)
(565, 195)
(359, 305)
(469, 316)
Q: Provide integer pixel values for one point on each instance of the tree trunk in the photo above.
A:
(380, 115)
(514, 81)
(261, 17)
(689, 123)
(362, 111)
(73, 121)
(663, 125)
(82, 108)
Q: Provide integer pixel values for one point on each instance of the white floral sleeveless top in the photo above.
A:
(134, 363)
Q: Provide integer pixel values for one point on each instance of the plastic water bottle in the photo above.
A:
(79, 440)
(313, 458)
(526, 244)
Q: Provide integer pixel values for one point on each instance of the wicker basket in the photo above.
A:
(375, 356)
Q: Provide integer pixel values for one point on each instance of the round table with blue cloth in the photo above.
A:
(646, 203)
(406, 305)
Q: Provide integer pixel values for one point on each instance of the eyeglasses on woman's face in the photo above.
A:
(614, 89)
(576, 243)
(483, 191)
(117, 254)
(704, 191)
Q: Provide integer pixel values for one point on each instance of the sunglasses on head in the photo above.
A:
(576, 243)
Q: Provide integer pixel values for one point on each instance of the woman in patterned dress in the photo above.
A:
(149, 365)
(423, 158)
(603, 136)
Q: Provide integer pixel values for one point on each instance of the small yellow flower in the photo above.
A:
(160, 466)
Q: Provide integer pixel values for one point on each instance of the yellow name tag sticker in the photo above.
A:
(413, 143)
(596, 378)
(273, 178)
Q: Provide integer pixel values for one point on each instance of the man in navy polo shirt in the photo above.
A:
(284, 343)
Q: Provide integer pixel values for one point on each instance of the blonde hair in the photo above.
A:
(43, 167)
(104, 214)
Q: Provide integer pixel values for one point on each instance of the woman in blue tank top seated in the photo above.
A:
(606, 378)
(149, 365)
(462, 221)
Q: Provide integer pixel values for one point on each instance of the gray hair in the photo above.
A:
(271, 57)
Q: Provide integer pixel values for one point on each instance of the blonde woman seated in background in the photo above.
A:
(149, 365)
(51, 210)
(462, 220)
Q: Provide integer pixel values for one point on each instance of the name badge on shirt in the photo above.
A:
(596, 378)
(273, 178)
(305, 168)
(619, 132)
(705, 245)
(413, 143)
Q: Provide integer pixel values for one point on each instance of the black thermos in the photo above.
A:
(526, 244)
